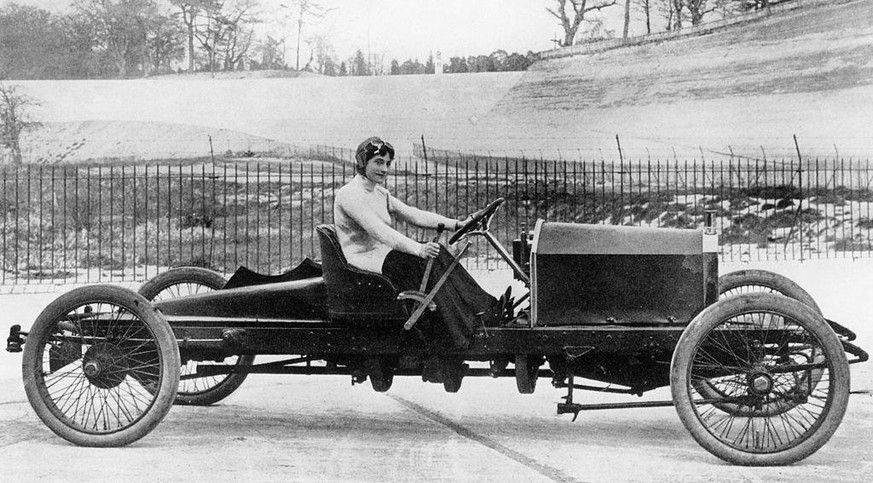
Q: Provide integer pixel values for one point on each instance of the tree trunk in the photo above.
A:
(191, 46)
(626, 18)
(696, 10)
(569, 36)
(299, 28)
(648, 18)
(122, 68)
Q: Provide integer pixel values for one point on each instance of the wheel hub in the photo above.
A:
(760, 383)
(104, 365)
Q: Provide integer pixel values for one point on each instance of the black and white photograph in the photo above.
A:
(436, 240)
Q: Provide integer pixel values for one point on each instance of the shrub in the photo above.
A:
(852, 246)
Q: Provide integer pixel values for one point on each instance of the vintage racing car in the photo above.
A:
(757, 374)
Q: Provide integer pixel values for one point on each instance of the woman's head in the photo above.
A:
(373, 147)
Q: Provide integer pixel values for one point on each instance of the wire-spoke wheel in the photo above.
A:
(756, 281)
(761, 281)
(100, 366)
(777, 362)
(193, 390)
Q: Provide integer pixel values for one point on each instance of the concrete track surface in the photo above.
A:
(298, 428)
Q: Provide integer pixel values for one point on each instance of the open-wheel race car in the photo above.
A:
(757, 374)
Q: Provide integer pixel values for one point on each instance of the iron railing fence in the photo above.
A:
(86, 224)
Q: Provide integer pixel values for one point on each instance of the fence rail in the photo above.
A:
(87, 224)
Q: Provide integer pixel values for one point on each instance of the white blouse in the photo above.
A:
(363, 213)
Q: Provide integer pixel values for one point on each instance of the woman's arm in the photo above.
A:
(417, 217)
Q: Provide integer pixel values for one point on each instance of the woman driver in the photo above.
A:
(364, 212)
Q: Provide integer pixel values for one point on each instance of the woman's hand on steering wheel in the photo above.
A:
(461, 222)
(482, 217)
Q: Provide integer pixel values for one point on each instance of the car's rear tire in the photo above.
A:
(755, 348)
(206, 390)
(101, 366)
(755, 281)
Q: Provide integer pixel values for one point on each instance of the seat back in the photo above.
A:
(352, 293)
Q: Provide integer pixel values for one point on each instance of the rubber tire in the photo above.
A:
(805, 316)
(526, 372)
(32, 364)
(214, 281)
(454, 376)
(452, 385)
(763, 278)
(175, 276)
(381, 375)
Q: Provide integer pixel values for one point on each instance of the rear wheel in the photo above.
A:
(761, 281)
(193, 390)
(760, 351)
(101, 366)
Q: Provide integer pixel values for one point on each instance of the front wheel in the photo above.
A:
(756, 281)
(101, 366)
(760, 351)
(194, 390)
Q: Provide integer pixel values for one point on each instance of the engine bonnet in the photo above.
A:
(582, 239)
(603, 274)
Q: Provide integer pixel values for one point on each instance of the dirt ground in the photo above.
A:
(323, 429)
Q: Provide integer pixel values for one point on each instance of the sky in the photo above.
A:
(406, 29)
(412, 29)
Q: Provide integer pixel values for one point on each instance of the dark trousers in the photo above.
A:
(458, 300)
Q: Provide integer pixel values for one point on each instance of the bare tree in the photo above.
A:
(646, 6)
(237, 45)
(699, 8)
(305, 9)
(13, 119)
(165, 42)
(672, 12)
(570, 20)
(191, 10)
(270, 52)
(226, 29)
(321, 51)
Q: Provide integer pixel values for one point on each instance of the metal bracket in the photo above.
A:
(15, 341)
(416, 296)
(856, 351)
(575, 352)
(842, 330)
(427, 300)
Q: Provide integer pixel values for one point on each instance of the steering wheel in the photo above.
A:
(481, 217)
